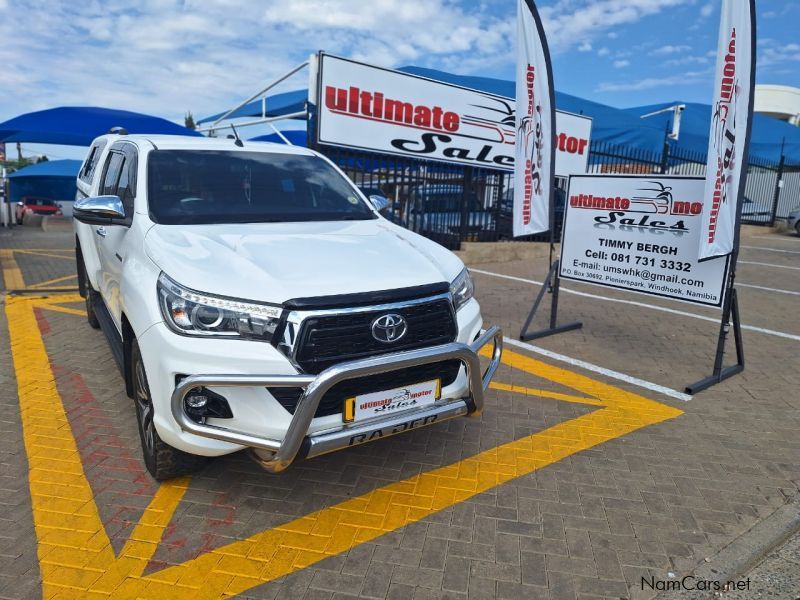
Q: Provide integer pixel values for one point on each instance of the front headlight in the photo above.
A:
(195, 313)
(462, 289)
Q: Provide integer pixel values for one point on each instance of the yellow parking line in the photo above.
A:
(518, 389)
(46, 249)
(43, 253)
(72, 540)
(54, 304)
(12, 276)
(75, 554)
(148, 531)
(74, 550)
(41, 284)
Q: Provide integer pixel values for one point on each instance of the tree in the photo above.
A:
(188, 121)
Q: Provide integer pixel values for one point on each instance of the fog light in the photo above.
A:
(196, 401)
(201, 403)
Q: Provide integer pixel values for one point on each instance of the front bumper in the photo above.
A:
(276, 455)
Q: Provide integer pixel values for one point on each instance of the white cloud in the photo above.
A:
(603, 51)
(649, 83)
(620, 64)
(772, 53)
(574, 22)
(690, 60)
(706, 10)
(168, 56)
(668, 49)
(585, 47)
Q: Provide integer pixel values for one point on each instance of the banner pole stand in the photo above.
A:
(550, 284)
(721, 373)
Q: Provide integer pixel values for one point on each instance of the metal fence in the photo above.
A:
(452, 204)
(447, 203)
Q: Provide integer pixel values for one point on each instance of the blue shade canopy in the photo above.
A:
(765, 141)
(54, 179)
(277, 105)
(49, 168)
(298, 137)
(619, 127)
(79, 125)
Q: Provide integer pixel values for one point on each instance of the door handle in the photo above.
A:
(101, 231)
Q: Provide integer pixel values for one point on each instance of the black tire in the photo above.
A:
(162, 460)
(89, 300)
(797, 228)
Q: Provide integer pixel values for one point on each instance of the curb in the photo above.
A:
(746, 551)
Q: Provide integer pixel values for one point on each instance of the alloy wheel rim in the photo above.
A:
(145, 405)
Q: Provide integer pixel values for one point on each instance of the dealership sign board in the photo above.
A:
(391, 112)
(640, 233)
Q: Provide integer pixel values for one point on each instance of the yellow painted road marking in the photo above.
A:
(42, 284)
(518, 389)
(46, 249)
(12, 276)
(47, 253)
(147, 534)
(54, 304)
(75, 554)
(74, 550)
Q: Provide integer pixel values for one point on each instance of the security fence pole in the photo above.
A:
(778, 186)
(465, 209)
(665, 152)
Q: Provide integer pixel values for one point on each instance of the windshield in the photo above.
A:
(206, 187)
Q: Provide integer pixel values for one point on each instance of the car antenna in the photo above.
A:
(238, 141)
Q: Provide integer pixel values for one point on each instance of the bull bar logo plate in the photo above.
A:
(391, 402)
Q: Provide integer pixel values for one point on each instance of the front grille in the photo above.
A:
(331, 402)
(326, 340)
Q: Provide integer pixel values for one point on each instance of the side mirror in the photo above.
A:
(98, 210)
(380, 203)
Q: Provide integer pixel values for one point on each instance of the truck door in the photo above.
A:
(119, 180)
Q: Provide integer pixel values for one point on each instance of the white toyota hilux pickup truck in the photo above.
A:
(254, 298)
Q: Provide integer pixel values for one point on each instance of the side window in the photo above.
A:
(112, 172)
(126, 187)
(90, 164)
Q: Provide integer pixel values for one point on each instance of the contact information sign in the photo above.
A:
(640, 233)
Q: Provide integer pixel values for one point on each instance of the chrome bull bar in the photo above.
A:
(297, 441)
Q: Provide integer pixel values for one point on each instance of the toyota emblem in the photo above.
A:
(389, 328)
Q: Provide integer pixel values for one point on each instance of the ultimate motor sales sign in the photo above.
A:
(640, 233)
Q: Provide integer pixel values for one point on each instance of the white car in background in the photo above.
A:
(254, 298)
(794, 220)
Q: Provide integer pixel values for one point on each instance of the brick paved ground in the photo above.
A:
(591, 525)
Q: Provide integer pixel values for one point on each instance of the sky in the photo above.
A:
(167, 57)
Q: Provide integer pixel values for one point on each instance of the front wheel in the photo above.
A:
(162, 460)
(89, 298)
